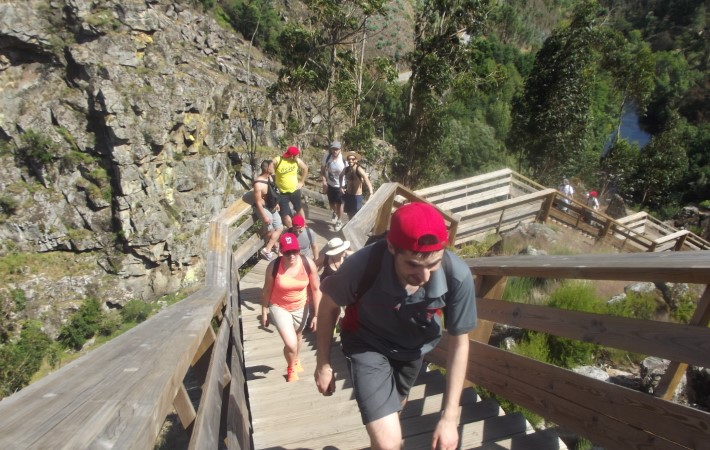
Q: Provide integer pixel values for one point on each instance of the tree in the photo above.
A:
(551, 121)
(439, 55)
(662, 164)
(325, 55)
(20, 360)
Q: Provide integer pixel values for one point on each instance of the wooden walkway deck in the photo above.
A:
(295, 416)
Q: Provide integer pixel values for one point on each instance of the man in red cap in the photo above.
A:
(394, 292)
(289, 183)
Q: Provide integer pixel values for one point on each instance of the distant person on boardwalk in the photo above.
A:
(333, 256)
(567, 190)
(306, 238)
(266, 207)
(289, 183)
(395, 291)
(284, 300)
(593, 203)
(352, 179)
(331, 168)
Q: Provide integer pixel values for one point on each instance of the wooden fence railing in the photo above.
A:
(119, 395)
(609, 415)
(501, 200)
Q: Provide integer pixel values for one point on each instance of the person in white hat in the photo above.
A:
(333, 256)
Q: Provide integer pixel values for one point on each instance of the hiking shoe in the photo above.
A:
(297, 366)
(267, 255)
(291, 375)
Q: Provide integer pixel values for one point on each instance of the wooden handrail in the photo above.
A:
(606, 414)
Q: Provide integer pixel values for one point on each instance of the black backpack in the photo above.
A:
(272, 193)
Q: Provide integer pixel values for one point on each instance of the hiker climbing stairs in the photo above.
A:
(296, 416)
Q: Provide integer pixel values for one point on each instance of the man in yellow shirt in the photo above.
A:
(289, 183)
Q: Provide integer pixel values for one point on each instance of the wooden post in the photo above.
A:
(667, 385)
(487, 287)
(185, 410)
(679, 242)
(605, 229)
(546, 207)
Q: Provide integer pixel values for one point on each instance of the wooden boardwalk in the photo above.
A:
(295, 416)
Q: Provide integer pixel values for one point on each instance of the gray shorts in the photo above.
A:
(282, 318)
(276, 221)
(380, 383)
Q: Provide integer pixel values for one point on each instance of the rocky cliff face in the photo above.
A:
(116, 127)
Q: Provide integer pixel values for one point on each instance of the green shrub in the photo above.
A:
(83, 325)
(20, 299)
(684, 309)
(8, 205)
(519, 289)
(20, 360)
(577, 297)
(110, 323)
(635, 305)
(136, 311)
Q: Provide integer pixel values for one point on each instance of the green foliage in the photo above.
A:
(520, 289)
(8, 205)
(684, 309)
(110, 322)
(662, 165)
(257, 20)
(20, 360)
(577, 297)
(83, 325)
(20, 298)
(136, 311)
(37, 151)
(619, 166)
(635, 305)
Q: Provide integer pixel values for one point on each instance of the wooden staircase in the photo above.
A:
(295, 416)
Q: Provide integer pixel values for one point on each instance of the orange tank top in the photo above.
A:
(290, 293)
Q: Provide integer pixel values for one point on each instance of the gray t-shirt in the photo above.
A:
(401, 326)
(304, 241)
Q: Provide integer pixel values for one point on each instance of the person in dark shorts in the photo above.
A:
(289, 183)
(352, 179)
(395, 319)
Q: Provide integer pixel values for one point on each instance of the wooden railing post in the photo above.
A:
(546, 207)
(668, 383)
(487, 287)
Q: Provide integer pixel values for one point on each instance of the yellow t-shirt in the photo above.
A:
(286, 176)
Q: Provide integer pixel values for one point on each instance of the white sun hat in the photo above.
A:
(337, 246)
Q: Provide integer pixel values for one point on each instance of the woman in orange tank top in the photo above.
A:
(284, 300)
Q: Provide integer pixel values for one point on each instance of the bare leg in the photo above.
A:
(385, 433)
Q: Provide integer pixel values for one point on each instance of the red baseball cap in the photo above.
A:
(298, 221)
(411, 222)
(288, 242)
(291, 151)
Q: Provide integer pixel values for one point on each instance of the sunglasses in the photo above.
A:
(291, 252)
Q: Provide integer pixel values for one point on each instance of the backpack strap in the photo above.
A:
(277, 262)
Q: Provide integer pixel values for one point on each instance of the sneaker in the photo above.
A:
(297, 366)
(338, 226)
(333, 217)
(291, 375)
(267, 255)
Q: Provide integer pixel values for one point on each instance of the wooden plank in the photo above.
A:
(673, 341)
(206, 431)
(184, 409)
(676, 267)
(539, 439)
(238, 418)
(453, 185)
(607, 414)
(118, 394)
